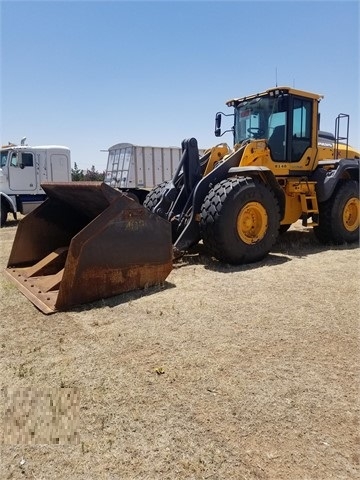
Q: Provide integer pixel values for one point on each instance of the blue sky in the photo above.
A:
(89, 74)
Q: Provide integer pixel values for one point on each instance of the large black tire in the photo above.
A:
(240, 220)
(339, 216)
(4, 214)
(152, 199)
(154, 196)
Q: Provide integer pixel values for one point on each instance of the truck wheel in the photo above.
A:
(4, 214)
(154, 196)
(339, 216)
(240, 220)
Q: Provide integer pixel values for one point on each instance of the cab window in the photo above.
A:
(27, 159)
(301, 129)
(14, 161)
(22, 159)
(277, 128)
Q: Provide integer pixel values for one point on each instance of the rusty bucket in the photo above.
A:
(86, 242)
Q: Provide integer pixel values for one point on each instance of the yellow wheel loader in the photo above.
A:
(89, 241)
(280, 170)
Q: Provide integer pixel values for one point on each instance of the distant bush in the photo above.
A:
(91, 175)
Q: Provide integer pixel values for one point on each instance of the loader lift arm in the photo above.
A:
(181, 199)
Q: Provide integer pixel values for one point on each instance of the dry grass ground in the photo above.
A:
(224, 373)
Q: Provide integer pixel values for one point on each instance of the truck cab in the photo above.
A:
(22, 170)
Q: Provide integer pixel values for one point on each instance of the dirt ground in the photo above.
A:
(224, 372)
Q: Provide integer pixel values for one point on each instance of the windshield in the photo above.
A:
(4, 155)
(257, 118)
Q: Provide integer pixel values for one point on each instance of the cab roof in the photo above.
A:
(30, 147)
(276, 91)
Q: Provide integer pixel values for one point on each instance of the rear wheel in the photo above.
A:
(339, 216)
(239, 220)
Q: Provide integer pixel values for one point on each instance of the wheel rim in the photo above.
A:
(252, 223)
(351, 214)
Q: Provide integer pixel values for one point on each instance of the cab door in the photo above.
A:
(22, 173)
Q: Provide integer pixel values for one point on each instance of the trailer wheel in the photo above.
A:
(154, 196)
(339, 216)
(240, 220)
(4, 214)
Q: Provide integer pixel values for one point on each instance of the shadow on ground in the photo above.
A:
(293, 243)
(11, 223)
(124, 297)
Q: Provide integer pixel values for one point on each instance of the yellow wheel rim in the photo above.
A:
(252, 223)
(351, 214)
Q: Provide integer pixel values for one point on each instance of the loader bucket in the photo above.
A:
(86, 242)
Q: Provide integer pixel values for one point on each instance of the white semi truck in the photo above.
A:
(23, 169)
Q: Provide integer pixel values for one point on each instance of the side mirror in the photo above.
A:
(22, 166)
(217, 131)
(218, 125)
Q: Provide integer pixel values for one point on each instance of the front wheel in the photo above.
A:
(240, 220)
(339, 216)
(154, 196)
(4, 214)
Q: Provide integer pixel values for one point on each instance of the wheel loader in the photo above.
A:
(281, 169)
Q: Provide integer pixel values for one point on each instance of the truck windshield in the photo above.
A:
(258, 117)
(4, 155)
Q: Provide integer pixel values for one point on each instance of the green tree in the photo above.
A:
(77, 175)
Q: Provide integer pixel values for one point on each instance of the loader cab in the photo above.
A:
(285, 118)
